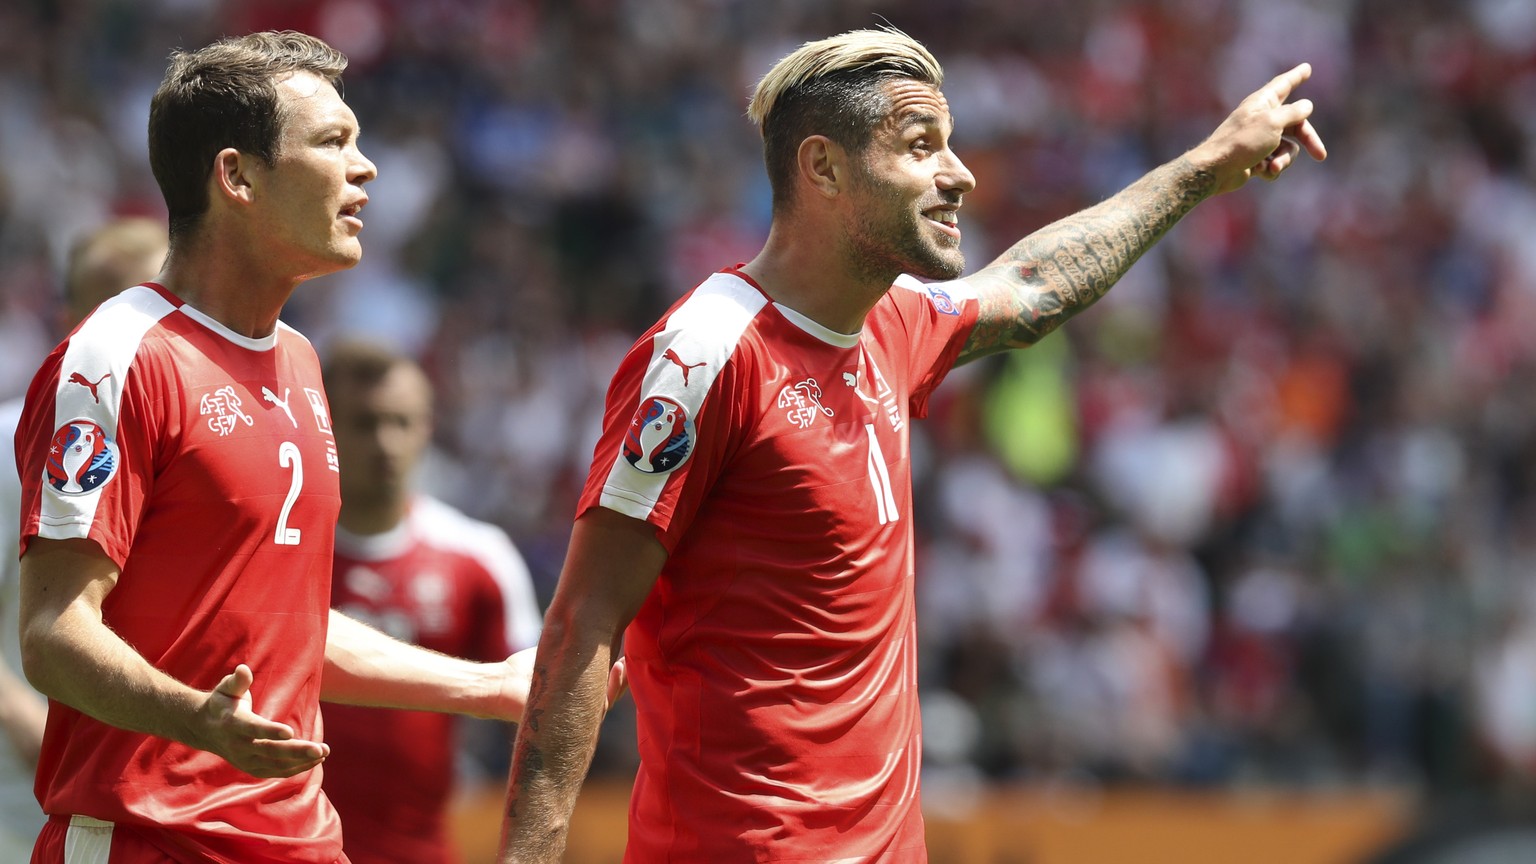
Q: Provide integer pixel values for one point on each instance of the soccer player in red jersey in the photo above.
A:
(180, 494)
(748, 514)
(423, 572)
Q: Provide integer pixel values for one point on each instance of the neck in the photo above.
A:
(230, 282)
(813, 275)
(367, 518)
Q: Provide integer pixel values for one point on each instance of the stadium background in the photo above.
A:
(1251, 540)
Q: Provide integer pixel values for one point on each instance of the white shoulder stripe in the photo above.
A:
(90, 387)
(689, 352)
(957, 289)
(100, 353)
(687, 355)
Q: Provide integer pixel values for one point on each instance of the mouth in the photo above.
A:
(946, 218)
(350, 212)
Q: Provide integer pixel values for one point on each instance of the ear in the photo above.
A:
(231, 175)
(823, 165)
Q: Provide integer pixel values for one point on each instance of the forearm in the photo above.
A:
(366, 667)
(77, 660)
(554, 745)
(1065, 267)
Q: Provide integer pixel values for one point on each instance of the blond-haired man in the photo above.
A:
(748, 513)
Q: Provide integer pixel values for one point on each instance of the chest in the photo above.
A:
(830, 435)
(248, 438)
(422, 597)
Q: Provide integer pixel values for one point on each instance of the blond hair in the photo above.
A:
(832, 87)
(883, 50)
(118, 255)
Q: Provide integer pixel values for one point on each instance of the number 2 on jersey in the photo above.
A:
(288, 455)
(880, 480)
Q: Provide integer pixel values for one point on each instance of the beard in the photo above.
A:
(892, 237)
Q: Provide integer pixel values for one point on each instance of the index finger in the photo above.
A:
(1281, 85)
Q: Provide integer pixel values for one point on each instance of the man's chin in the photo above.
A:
(941, 267)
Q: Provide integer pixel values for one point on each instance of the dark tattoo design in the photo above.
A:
(1065, 267)
(533, 759)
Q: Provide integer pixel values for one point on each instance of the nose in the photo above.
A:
(360, 170)
(955, 176)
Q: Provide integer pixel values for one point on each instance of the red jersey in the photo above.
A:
(449, 583)
(202, 463)
(773, 665)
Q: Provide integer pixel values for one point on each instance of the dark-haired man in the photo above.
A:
(180, 499)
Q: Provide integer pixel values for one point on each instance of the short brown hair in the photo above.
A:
(833, 87)
(224, 95)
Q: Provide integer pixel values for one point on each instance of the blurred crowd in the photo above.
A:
(1265, 515)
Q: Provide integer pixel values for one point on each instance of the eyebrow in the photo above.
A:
(923, 118)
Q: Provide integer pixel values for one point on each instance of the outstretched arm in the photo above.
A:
(72, 656)
(364, 666)
(612, 564)
(1063, 268)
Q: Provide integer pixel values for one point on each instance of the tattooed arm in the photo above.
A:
(612, 564)
(1064, 267)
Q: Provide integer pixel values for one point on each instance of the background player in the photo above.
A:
(749, 505)
(421, 571)
(120, 253)
(180, 497)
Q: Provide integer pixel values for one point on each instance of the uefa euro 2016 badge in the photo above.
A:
(660, 436)
(941, 300)
(81, 458)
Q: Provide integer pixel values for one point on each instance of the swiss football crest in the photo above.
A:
(660, 437)
(803, 403)
(81, 458)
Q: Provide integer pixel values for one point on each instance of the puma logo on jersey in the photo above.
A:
(269, 396)
(77, 378)
(672, 355)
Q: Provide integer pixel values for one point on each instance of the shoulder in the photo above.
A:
(945, 298)
(722, 305)
(441, 525)
(289, 336)
(685, 353)
(114, 331)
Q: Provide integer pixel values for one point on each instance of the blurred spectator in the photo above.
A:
(424, 573)
(121, 253)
